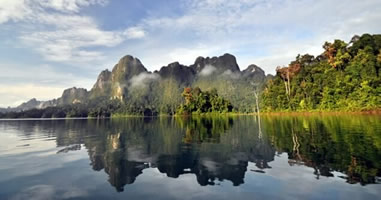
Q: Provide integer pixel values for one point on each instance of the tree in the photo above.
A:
(344, 77)
(197, 101)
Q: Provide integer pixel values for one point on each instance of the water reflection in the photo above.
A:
(220, 148)
(347, 144)
(207, 147)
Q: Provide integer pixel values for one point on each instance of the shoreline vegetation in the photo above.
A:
(231, 114)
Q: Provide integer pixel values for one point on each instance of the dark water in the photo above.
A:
(329, 157)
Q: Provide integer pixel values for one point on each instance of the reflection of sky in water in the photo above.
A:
(34, 166)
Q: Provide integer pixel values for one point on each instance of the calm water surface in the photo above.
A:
(315, 157)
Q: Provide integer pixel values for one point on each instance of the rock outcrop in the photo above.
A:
(73, 95)
(221, 63)
(183, 74)
(102, 86)
(166, 84)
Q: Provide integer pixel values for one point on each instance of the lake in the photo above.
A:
(245, 157)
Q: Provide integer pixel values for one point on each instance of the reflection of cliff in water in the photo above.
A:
(211, 151)
(111, 156)
(216, 149)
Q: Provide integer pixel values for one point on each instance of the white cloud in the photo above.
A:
(64, 35)
(68, 41)
(207, 70)
(134, 32)
(69, 5)
(14, 10)
(142, 79)
(230, 74)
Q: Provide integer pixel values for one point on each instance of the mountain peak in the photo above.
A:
(127, 67)
(221, 63)
(32, 100)
(103, 85)
(73, 95)
(253, 72)
(177, 71)
(228, 55)
(253, 69)
(174, 64)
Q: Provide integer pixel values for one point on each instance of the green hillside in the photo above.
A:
(345, 77)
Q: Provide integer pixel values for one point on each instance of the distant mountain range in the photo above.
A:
(131, 83)
(344, 77)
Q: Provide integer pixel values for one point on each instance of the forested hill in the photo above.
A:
(345, 77)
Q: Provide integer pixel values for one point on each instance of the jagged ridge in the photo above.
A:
(130, 73)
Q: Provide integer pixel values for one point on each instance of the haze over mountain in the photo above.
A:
(129, 81)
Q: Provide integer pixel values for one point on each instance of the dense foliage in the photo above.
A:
(197, 101)
(152, 99)
(345, 77)
(240, 92)
(99, 109)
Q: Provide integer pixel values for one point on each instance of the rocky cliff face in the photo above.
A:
(114, 84)
(126, 68)
(69, 96)
(33, 103)
(183, 74)
(72, 96)
(253, 73)
(216, 64)
(102, 86)
(122, 73)
(166, 84)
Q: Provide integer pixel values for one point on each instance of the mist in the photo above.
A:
(208, 70)
(142, 79)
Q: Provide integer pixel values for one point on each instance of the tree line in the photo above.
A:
(346, 77)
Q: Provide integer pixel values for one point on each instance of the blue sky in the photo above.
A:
(49, 45)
